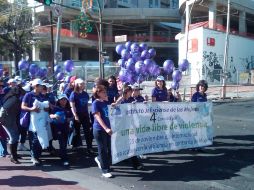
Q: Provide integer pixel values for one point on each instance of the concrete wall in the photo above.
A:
(207, 60)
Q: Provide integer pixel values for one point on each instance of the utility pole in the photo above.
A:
(225, 60)
(101, 69)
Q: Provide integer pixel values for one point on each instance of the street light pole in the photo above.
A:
(225, 60)
(100, 40)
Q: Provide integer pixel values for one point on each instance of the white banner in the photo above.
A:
(159, 126)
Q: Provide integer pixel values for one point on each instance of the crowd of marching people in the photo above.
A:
(31, 111)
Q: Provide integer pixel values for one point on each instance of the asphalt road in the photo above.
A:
(227, 164)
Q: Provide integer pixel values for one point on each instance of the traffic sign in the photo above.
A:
(58, 56)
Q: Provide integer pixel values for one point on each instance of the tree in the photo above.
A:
(15, 30)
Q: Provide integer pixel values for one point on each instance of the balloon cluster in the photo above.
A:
(177, 73)
(35, 71)
(136, 62)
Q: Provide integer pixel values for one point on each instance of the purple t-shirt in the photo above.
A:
(160, 95)
(198, 97)
(81, 101)
(102, 108)
(30, 97)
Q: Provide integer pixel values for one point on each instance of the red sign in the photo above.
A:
(210, 41)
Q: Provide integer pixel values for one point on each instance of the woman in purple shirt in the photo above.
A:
(79, 107)
(159, 93)
(200, 95)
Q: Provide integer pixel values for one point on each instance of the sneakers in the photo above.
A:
(36, 162)
(21, 147)
(98, 162)
(107, 175)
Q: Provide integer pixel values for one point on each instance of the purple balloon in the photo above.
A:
(23, 65)
(128, 45)
(121, 63)
(125, 75)
(143, 46)
(168, 66)
(125, 54)
(152, 52)
(60, 76)
(57, 69)
(68, 66)
(175, 85)
(183, 64)
(136, 56)
(135, 47)
(145, 55)
(140, 67)
(157, 71)
(130, 64)
(177, 75)
(148, 64)
(44, 72)
(33, 69)
(119, 48)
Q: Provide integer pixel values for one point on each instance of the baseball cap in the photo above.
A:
(136, 87)
(61, 96)
(161, 78)
(27, 87)
(36, 82)
(12, 80)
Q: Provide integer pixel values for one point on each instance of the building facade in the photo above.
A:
(202, 40)
(155, 22)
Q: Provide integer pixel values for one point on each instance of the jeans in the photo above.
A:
(104, 149)
(62, 139)
(35, 145)
(23, 134)
(3, 147)
(85, 122)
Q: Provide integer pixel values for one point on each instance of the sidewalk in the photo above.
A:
(29, 177)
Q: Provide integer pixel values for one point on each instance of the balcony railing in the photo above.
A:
(94, 37)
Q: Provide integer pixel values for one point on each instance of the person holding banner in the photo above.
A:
(102, 129)
(159, 93)
(172, 97)
(127, 98)
(136, 93)
(200, 94)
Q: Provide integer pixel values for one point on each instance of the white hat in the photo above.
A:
(79, 81)
(36, 82)
(27, 87)
(47, 85)
(17, 78)
(12, 80)
(136, 87)
(61, 96)
(160, 78)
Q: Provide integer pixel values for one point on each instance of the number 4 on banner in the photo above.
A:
(153, 118)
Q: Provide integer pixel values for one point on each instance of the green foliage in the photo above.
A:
(15, 30)
(82, 24)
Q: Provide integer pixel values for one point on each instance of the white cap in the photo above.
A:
(11, 81)
(27, 87)
(36, 81)
(79, 81)
(61, 96)
(17, 78)
(136, 87)
(47, 85)
(160, 78)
